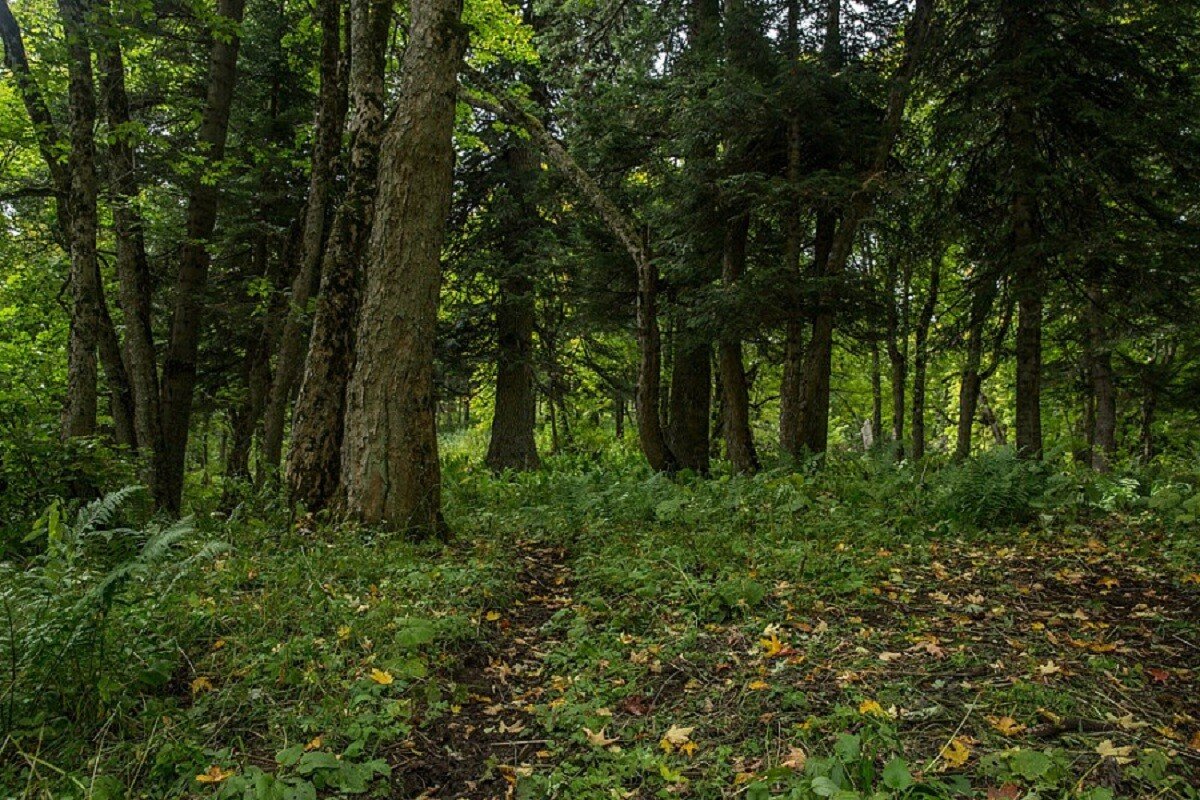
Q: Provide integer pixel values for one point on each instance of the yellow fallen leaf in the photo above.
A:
(1122, 755)
(201, 684)
(597, 738)
(758, 685)
(689, 748)
(871, 707)
(343, 632)
(1195, 742)
(1006, 725)
(382, 677)
(1049, 668)
(771, 646)
(676, 736)
(315, 744)
(957, 752)
(214, 774)
(492, 616)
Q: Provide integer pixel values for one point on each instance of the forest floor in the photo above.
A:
(594, 632)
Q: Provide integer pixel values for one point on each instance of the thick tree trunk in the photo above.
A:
(327, 138)
(179, 367)
(390, 464)
(314, 463)
(921, 359)
(735, 391)
(79, 412)
(690, 402)
(812, 429)
(133, 269)
(512, 444)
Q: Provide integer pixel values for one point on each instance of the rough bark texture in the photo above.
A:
(327, 138)
(812, 427)
(1019, 22)
(790, 386)
(876, 395)
(735, 390)
(133, 269)
(390, 464)
(179, 365)
(314, 461)
(690, 402)
(514, 417)
(921, 358)
(79, 413)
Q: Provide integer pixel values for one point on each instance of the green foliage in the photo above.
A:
(994, 488)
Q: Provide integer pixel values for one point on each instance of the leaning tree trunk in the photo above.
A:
(327, 139)
(921, 360)
(512, 444)
(735, 392)
(390, 464)
(179, 366)
(79, 413)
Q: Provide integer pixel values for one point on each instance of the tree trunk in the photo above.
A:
(390, 464)
(690, 399)
(790, 386)
(1103, 433)
(120, 392)
(327, 138)
(133, 268)
(921, 359)
(812, 429)
(314, 463)
(619, 414)
(971, 381)
(514, 418)
(987, 416)
(735, 393)
(179, 366)
(79, 413)
(876, 395)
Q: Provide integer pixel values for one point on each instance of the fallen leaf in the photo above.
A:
(382, 677)
(1008, 791)
(771, 646)
(796, 759)
(492, 616)
(214, 774)
(676, 736)
(201, 684)
(1122, 755)
(315, 744)
(758, 685)
(956, 753)
(871, 707)
(1195, 742)
(1006, 725)
(1048, 669)
(597, 738)
(1159, 675)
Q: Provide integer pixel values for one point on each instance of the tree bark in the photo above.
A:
(690, 402)
(390, 460)
(921, 358)
(790, 386)
(514, 418)
(79, 413)
(179, 365)
(735, 391)
(876, 395)
(314, 462)
(327, 137)
(1103, 434)
(133, 269)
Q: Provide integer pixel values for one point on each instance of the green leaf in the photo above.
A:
(896, 774)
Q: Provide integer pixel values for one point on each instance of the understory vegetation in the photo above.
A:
(867, 629)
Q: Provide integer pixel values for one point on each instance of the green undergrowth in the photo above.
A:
(846, 630)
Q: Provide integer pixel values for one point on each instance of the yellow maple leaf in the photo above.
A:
(214, 774)
(956, 753)
(871, 707)
(676, 736)
(689, 748)
(201, 684)
(771, 646)
(382, 677)
(1006, 725)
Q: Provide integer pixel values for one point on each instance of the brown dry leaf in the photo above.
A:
(1195, 742)
(796, 759)
(1008, 791)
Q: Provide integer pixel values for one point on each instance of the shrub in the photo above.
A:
(993, 488)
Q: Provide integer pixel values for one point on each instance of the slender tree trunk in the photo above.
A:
(314, 463)
(735, 392)
(179, 367)
(876, 395)
(512, 444)
(970, 380)
(921, 359)
(79, 413)
(619, 414)
(327, 138)
(133, 268)
(120, 392)
(790, 387)
(390, 464)
(1103, 433)
(897, 347)
(1149, 409)
(987, 416)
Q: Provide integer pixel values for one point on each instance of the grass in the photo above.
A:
(597, 632)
